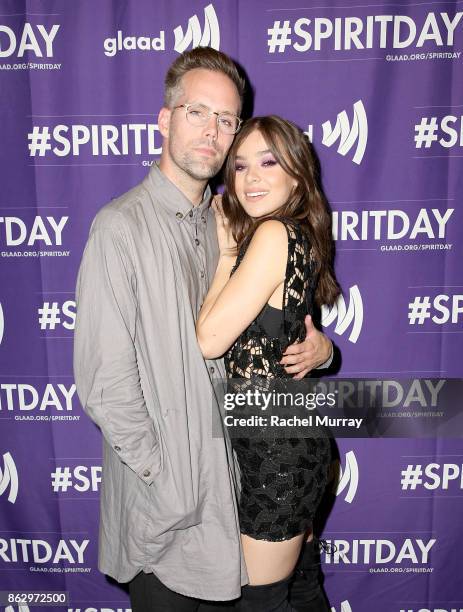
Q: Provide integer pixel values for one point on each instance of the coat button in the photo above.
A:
(196, 241)
(146, 473)
(117, 448)
(202, 273)
(191, 213)
(212, 369)
(179, 215)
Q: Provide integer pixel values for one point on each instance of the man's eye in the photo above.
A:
(196, 113)
(226, 122)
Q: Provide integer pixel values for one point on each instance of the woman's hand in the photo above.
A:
(227, 244)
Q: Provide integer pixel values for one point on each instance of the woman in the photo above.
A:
(275, 243)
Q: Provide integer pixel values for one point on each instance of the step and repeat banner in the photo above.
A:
(378, 88)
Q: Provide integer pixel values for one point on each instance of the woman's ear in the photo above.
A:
(164, 121)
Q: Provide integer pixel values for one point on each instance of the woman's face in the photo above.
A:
(261, 184)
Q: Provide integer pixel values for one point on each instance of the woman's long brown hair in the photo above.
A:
(306, 204)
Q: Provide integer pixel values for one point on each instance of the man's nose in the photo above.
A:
(211, 128)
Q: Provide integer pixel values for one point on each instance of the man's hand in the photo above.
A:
(300, 358)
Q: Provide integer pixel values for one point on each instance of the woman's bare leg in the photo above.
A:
(269, 562)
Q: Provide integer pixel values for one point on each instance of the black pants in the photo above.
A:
(306, 593)
(148, 594)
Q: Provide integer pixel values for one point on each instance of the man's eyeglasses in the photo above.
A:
(199, 115)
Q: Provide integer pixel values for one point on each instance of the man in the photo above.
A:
(168, 501)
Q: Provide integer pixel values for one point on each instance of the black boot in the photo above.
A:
(306, 593)
(265, 597)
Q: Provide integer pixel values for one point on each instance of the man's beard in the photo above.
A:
(194, 167)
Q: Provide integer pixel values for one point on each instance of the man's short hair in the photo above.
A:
(200, 57)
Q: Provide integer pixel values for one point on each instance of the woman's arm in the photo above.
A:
(234, 302)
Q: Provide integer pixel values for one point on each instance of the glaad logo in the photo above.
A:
(131, 43)
(353, 314)
(2, 323)
(347, 478)
(345, 607)
(9, 477)
(194, 37)
(348, 135)
(29, 40)
(209, 37)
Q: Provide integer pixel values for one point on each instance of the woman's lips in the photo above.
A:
(255, 196)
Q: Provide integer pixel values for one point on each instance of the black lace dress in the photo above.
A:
(282, 478)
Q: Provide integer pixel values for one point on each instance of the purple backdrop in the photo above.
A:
(378, 88)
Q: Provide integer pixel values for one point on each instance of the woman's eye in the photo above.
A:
(239, 167)
(269, 162)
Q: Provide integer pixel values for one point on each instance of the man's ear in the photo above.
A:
(164, 121)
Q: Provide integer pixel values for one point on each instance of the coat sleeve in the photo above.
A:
(105, 361)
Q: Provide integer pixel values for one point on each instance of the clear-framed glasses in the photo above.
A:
(199, 115)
